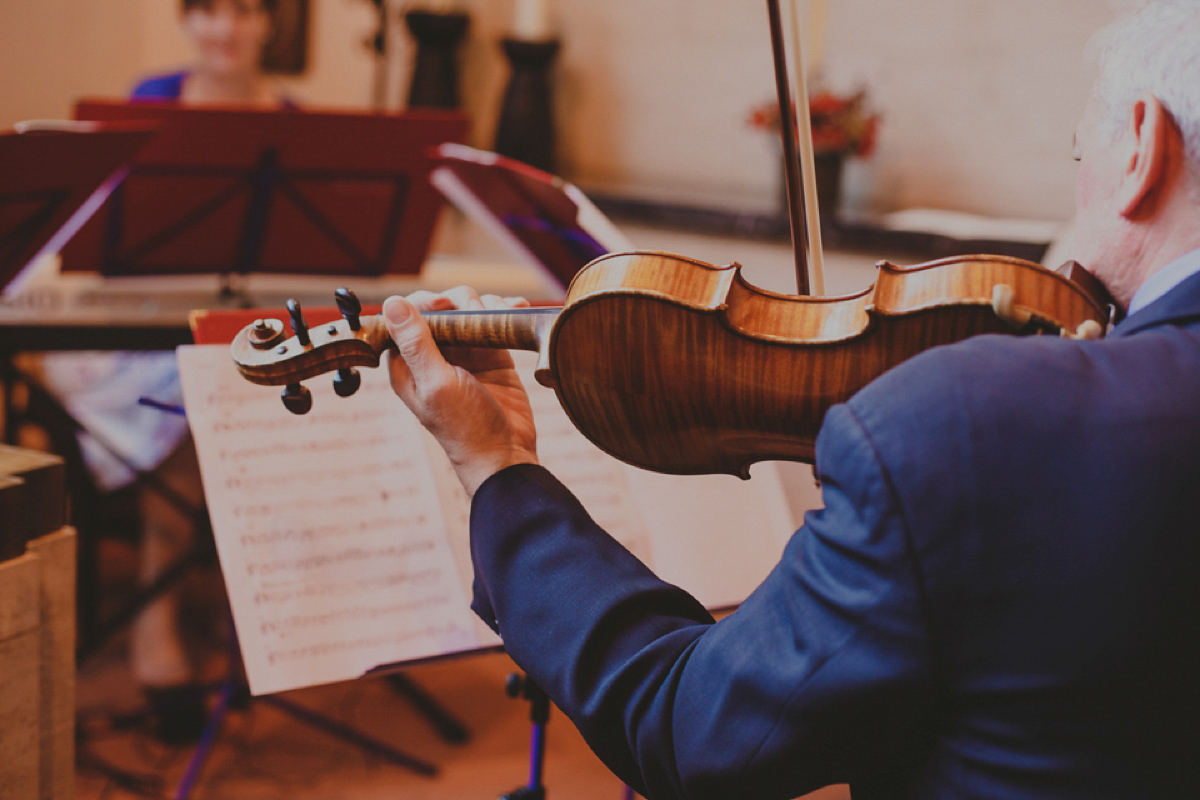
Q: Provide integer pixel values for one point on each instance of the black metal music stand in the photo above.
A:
(539, 714)
(233, 691)
(520, 686)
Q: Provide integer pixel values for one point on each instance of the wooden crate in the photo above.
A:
(41, 507)
(37, 630)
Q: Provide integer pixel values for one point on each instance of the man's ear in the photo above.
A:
(1145, 171)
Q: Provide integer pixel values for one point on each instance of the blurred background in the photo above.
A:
(971, 103)
(977, 99)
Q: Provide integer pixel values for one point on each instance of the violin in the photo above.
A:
(680, 366)
(683, 367)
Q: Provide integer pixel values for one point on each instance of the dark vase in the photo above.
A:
(435, 71)
(525, 130)
(828, 168)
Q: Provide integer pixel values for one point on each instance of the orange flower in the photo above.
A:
(839, 124)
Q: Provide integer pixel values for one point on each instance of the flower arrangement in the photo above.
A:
(840, 124)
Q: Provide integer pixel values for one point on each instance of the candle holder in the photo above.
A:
(435, 74)
(525, 130)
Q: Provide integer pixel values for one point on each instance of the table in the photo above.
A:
(86, 311)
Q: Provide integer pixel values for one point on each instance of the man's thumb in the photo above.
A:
(410, 333)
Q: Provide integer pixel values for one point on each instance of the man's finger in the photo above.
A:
(414, 342)
(464, 297)
(425, 300)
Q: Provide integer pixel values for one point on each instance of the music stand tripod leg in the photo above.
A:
(343, 731)
(200, 551)
(539, 715)
(209, 737)
(449, 727)
(233, 687)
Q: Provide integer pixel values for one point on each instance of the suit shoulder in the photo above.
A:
(982, 370)
(994, 392)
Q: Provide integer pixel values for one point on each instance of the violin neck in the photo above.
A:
(509, 329)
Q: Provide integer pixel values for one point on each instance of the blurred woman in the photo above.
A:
(228, 37)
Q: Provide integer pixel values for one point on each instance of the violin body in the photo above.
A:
(680, 366)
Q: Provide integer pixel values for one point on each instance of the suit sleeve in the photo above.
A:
(821, 676)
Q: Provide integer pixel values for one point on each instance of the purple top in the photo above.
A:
(170, 87)
(160, 87)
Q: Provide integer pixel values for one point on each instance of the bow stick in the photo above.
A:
(799, 171)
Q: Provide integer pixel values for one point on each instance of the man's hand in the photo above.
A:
(471, 400)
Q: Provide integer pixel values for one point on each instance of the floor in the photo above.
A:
(262, 753)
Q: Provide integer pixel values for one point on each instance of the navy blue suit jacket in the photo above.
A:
(1000, 598)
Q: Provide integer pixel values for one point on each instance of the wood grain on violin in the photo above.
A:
(679, 366)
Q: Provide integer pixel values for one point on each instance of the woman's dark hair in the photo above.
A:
(187, 5)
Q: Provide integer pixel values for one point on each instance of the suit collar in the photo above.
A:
(1181, 305)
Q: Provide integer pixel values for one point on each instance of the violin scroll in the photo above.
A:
(264, 356)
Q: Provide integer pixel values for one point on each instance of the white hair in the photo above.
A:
(1156, 49)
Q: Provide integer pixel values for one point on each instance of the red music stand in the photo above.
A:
(544, 220)
(234, 191)
(51, 180)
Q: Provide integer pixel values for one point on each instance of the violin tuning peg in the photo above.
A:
(265, 333)
(346, 382)
(349, 305)
(299, 326)
(297, 398)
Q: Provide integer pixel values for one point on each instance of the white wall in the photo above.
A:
(52, 51)
(982, 97)
(979, 97)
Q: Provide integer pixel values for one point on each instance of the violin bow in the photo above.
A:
(799, 171)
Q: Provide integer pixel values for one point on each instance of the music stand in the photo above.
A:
(51, 180)
(52, 177)
(219, 328)
(545, 221)
(236, 192)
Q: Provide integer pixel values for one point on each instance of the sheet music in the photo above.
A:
(598, 480)
(329, 527)
(343, 534)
